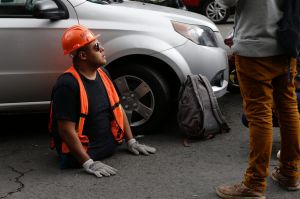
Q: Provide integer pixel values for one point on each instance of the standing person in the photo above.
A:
(265, 74)
(86, 120)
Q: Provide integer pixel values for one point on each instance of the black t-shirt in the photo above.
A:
(66, 106)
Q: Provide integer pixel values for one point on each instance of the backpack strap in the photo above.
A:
(289, 27)
(215, 106)
(194, 80)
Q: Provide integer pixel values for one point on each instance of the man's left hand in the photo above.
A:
(137, 148)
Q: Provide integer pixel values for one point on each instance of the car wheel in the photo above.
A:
(215, 12)
(144, 95)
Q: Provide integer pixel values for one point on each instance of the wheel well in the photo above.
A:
(201, 6)
(164, 69)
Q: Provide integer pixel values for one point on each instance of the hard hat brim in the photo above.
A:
(95, 37)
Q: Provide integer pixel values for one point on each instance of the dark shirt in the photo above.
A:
(66, 106)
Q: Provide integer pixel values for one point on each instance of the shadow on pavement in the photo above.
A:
(23, 125)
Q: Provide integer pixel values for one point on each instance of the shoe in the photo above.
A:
(291, 184)
(239, 191)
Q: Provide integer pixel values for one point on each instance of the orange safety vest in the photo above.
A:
(117, 125)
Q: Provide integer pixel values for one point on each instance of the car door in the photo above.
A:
(31, 54)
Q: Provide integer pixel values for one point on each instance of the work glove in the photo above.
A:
(137, 148)
(98, 168)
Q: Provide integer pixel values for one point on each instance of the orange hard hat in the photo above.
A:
(76, 37)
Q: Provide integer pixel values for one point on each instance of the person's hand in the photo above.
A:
(98, 168)
(137, 148)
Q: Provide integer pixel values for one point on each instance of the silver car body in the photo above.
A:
(32, 58)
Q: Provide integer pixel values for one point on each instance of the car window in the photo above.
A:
(29, 4)
(16, 8)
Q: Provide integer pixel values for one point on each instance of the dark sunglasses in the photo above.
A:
(98, 46)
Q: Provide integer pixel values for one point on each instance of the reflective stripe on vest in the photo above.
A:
(117, 124)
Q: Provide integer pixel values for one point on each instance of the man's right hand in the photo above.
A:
(98, 168)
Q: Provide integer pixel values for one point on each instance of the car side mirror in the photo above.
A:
(48, 9)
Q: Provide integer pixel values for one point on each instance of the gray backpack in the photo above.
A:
(199, 115)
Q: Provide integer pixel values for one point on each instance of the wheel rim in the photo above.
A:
(216, 12)
(136, 98)
(233, 78)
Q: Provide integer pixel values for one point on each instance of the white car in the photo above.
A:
(150, 50)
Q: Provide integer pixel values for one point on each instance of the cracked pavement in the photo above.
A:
(29, 169)
(16, 180)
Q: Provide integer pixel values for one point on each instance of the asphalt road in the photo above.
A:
(28, 169)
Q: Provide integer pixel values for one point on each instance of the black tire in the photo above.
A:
(215, 12)
(145, 109)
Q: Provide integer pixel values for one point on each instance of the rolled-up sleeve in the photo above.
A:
(227, 3)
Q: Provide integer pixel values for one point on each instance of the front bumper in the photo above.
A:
(191, 58)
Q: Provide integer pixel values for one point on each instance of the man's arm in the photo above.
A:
(68, 134)
(127, 128)
(133, 146)
(227, 3)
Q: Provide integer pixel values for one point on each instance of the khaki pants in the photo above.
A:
(262, 81)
